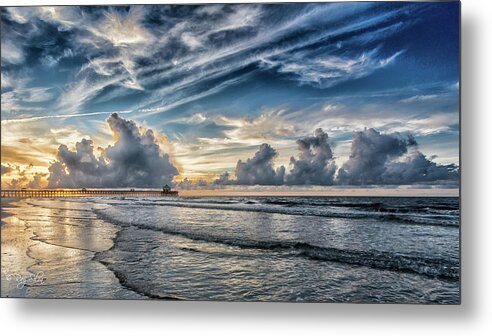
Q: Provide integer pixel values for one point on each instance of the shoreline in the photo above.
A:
(5, 214)
(6, 202)
(16, 259)
(31, 256)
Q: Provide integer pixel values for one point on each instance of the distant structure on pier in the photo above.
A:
(166, 191)
(84, 192)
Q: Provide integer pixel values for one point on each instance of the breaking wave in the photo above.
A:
(432, 267)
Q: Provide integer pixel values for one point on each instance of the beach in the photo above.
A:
(294, 249)
(52, 256)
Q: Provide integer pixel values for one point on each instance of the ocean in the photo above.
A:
(296, 249)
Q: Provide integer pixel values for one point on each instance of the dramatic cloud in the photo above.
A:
(416, 168)
(135, 160)
(369, 154)
(176, 54)
(259, 170)
(222, 79)
(315, 165)
(377, 158)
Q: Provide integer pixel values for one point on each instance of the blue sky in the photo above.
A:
(215, 82)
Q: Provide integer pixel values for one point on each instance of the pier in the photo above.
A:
(83, 192)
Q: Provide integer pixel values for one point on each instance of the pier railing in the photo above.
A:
(28, 193)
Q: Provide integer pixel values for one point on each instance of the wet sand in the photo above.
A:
(5, 203)
(15, 260)
(50, 253)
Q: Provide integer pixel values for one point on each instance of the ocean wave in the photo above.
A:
(408, 218)
(378, 205)
(432, 267)
(394, 209)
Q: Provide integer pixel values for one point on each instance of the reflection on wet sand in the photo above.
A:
(60, 244)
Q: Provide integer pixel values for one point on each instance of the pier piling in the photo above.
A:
(50, 193)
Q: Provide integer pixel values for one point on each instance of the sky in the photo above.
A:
(284, 96)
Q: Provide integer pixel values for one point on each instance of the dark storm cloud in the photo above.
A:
(390, 159)
(134, 160)
(315, 165)
(259, 170)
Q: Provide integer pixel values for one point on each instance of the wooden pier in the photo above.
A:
(49, 193)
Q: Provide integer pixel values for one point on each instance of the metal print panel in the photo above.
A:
(304, 152)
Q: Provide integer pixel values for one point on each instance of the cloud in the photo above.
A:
(185, 184)
(59, 116)
(134, 160)
(188, 184)
(51, 61)
(36, 142)
(369, 153)
(191, 41)
(11, 52)
(37, 181)
(169, 56)
(22, 176)
(376, 159)
(419, 98)
(5, 169)
(259, 170)
(417, 168)
(328, 70)
(315, 165)
(224, 179)
(268, 126)
(13, 100)
(125, 39)
(390, 159)
(170, 60)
